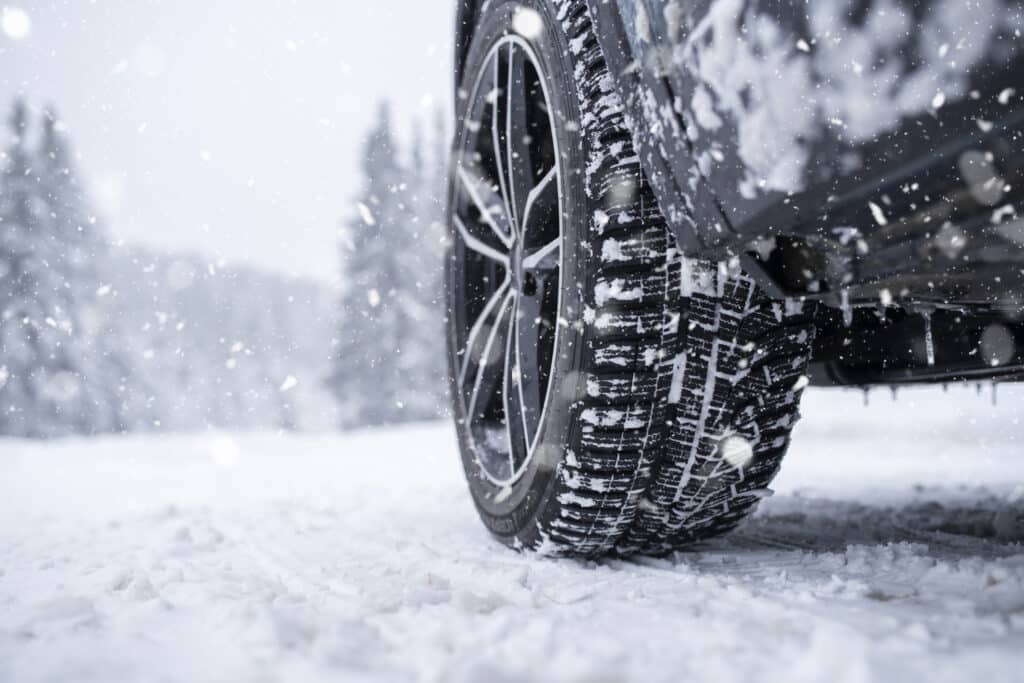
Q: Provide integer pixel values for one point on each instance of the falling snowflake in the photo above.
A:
(527, 23)
(15, 23)
(878, 214)
(366, 214)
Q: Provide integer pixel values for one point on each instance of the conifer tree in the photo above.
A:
(39, 379)
(52, 379)
(367, 377)
(95, 338)
(80, 248)
(427, 362)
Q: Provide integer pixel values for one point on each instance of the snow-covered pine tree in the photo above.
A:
(95, 338)
(425, 361)
(215, 345)
(376, 303)
(81, 247)
(41, 392)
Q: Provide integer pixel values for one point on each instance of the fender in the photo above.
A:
(659, 132)
(831, 121)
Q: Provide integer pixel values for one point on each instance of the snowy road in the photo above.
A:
(893, 550)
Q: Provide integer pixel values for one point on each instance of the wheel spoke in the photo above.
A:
(518, 162)
(477, 245)
(544, 258)
(515, 407)
(489, 203)
(499, 95)
(540, 218)
(479, 333)
(527, 337)
(490, 368)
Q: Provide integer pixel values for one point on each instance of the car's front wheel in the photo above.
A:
(610, 395)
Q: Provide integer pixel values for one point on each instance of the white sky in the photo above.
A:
(230, 127)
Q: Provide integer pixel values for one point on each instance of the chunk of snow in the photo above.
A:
(736, 451)
(675, 392)
(642, 24)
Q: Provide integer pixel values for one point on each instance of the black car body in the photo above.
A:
(864, 153)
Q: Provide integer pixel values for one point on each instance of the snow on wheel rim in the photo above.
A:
(507, 226)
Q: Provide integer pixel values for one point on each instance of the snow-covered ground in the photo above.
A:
(893, 550)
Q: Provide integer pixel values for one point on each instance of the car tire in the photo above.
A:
(610, 395)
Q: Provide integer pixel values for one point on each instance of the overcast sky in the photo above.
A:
(231, 127)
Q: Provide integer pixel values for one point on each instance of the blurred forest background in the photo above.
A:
(99, 336)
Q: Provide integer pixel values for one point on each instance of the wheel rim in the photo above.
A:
(507, 229)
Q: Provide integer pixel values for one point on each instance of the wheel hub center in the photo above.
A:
(519, 274)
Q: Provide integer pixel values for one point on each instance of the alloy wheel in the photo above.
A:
(506, 279)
